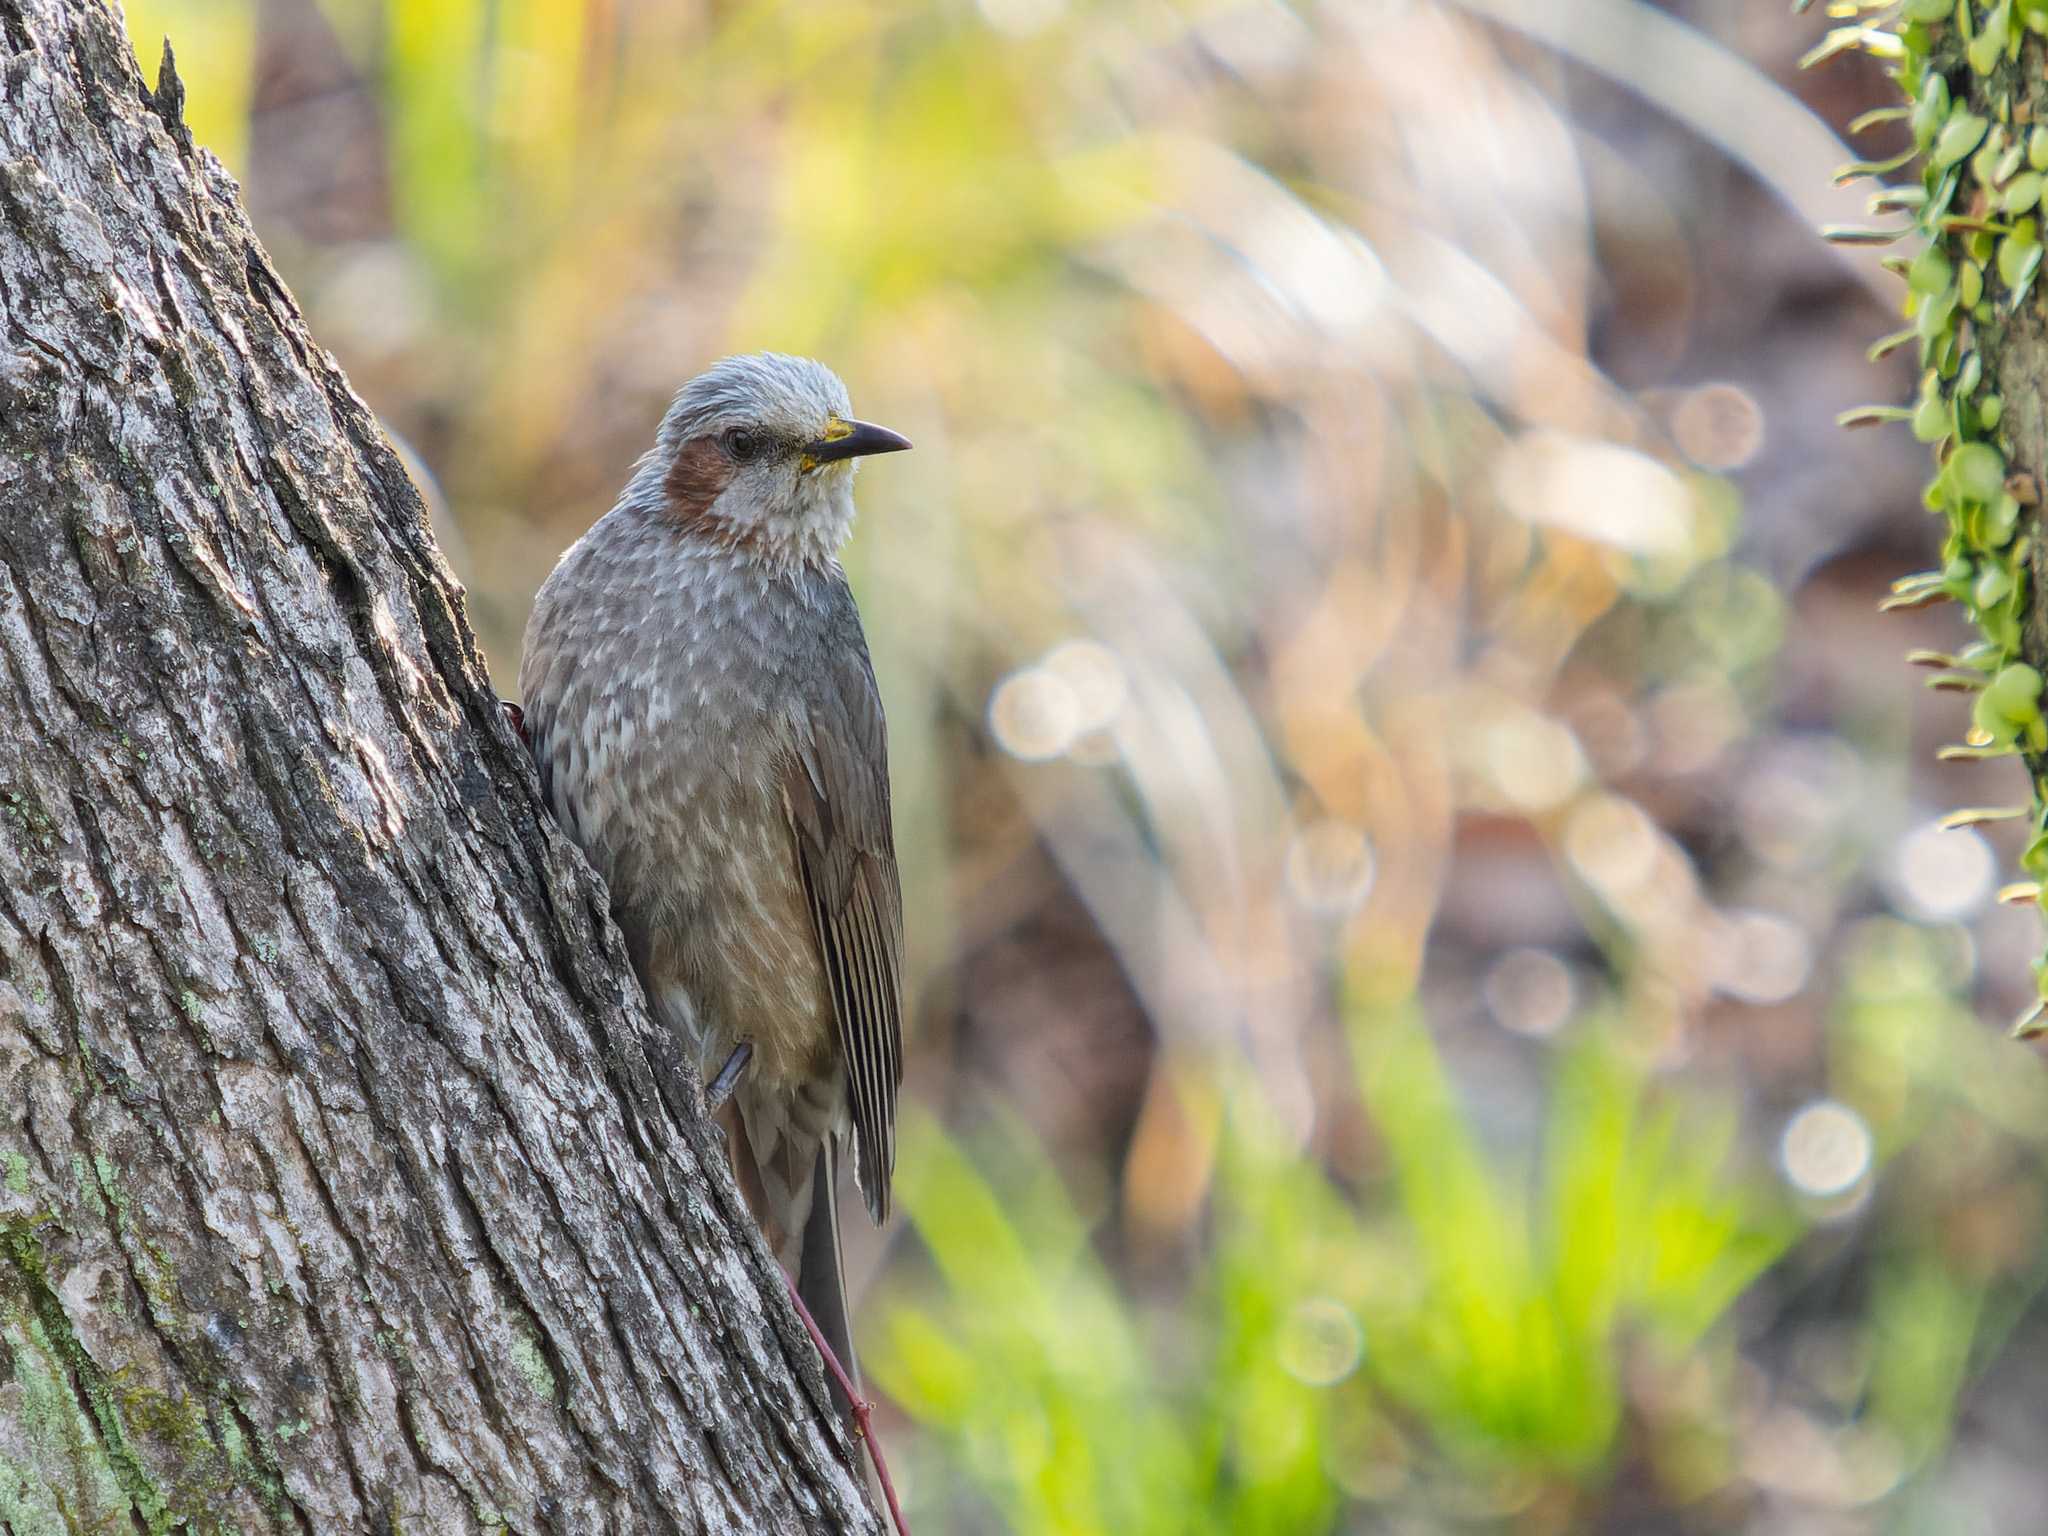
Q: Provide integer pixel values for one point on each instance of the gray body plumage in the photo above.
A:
(700, 702)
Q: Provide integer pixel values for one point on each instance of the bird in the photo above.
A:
(701, 706)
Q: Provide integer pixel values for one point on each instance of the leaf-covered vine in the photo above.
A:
(1972, 81)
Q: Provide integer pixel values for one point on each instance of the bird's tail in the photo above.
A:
(820, 1278)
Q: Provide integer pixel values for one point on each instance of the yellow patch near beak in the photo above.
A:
(845, 439)
(837, 428)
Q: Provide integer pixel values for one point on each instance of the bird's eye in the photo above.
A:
(743, 444)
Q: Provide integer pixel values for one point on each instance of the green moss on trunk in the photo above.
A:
(68, 1426)
(65, 1463)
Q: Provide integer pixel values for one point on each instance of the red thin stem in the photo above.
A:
(862, 1408)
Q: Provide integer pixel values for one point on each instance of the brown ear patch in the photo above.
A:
(697, 478)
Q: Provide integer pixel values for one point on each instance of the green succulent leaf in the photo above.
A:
(1976, 472)
(2010, 702)
(1959, 136)
(2018, 264)
(1931, 110)
(1931, 272)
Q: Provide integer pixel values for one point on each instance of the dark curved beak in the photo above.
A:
(858, 440)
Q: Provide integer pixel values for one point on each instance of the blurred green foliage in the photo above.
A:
(1456, 1323)
(1247, 346)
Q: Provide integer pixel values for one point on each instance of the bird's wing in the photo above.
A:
(836, 787)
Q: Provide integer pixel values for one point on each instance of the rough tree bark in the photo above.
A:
(344, 1185)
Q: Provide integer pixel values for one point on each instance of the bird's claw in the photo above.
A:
(721, 1087)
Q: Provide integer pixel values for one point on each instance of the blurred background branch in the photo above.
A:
(1442, 1001)
(1730, 102)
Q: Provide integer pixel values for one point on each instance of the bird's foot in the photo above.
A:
(721, 1087)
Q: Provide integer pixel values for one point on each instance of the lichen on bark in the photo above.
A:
(344, 1185)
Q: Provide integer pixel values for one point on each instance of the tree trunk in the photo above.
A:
(1968, 219)
(344, 1185)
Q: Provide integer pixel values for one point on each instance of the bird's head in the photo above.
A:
(758, 453)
